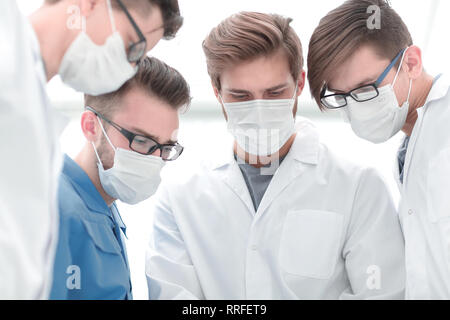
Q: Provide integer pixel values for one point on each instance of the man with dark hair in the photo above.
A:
(95, 47)
(130, 135)
(278, 216)
(374, 73)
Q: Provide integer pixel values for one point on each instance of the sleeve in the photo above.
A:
(374, 248)
(169, 269)
(26, 225)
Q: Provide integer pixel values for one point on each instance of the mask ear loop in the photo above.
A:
(294, 96)
(111, 16)
(398, 72)
(399, 67)
(104, 132)
(410, 89)
(107, 138)
(223, 104)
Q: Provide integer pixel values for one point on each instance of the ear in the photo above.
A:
(301, 83)
(412, 63)
(88, 6)
(90, 126)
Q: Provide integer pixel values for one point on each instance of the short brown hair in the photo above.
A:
(344, 30)
(154, 77)
(248, 35)
(170, 11)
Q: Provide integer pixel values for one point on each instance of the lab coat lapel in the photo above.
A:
(289, 170)
(438, 91)
(303, 154)
(231, 175)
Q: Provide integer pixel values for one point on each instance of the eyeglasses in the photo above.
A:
(138, 49)
(361, 94)
(145, 145)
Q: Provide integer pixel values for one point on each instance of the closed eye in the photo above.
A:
(276, 93)
(240, 96)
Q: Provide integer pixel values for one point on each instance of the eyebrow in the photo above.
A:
(147, 135)
(362, 83)
(277, 87)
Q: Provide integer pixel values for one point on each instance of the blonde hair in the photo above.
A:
(248, 35)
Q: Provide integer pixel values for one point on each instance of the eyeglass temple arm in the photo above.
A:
(390, 66)
(135, 26)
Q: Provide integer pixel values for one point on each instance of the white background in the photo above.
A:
(203, 131)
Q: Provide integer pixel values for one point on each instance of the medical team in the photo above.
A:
(277, 215)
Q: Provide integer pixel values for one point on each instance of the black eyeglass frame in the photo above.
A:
(130, 137)
(375, 85)
(142, 39)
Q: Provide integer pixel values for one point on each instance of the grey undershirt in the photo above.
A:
(257, 181)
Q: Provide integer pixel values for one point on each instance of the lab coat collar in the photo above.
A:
(439, 90)
(305, 148)
(84, 186)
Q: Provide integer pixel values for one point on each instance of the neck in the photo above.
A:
(263, 161)
(419, 95)
(87, 160)
(50, 25)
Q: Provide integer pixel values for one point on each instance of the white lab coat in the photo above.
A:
(29, 163)
(425, 205)
(325, 229)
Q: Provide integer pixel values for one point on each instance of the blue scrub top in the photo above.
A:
(91, 260)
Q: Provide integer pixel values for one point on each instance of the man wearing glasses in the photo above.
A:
(130, 135)
(95, 47)
(376, 76)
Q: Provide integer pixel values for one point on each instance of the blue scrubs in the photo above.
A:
(91, 260)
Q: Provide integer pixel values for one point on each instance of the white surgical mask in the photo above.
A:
(133, 178)
(93, 69)
(379, 119)
(261, 127)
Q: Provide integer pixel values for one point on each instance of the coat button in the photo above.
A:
(410, 212)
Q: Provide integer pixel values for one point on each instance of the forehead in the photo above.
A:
(363, 67)
(257, 74)
(146, 112)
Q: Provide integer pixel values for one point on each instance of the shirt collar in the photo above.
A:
(84, 186)
(118, 219)
(305, 148)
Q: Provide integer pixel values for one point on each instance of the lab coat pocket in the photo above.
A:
(103, 237)
(438, 187)
(310, 243)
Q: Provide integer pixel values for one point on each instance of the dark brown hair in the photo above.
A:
(248, 35)
(154, 77)
(344, 30)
